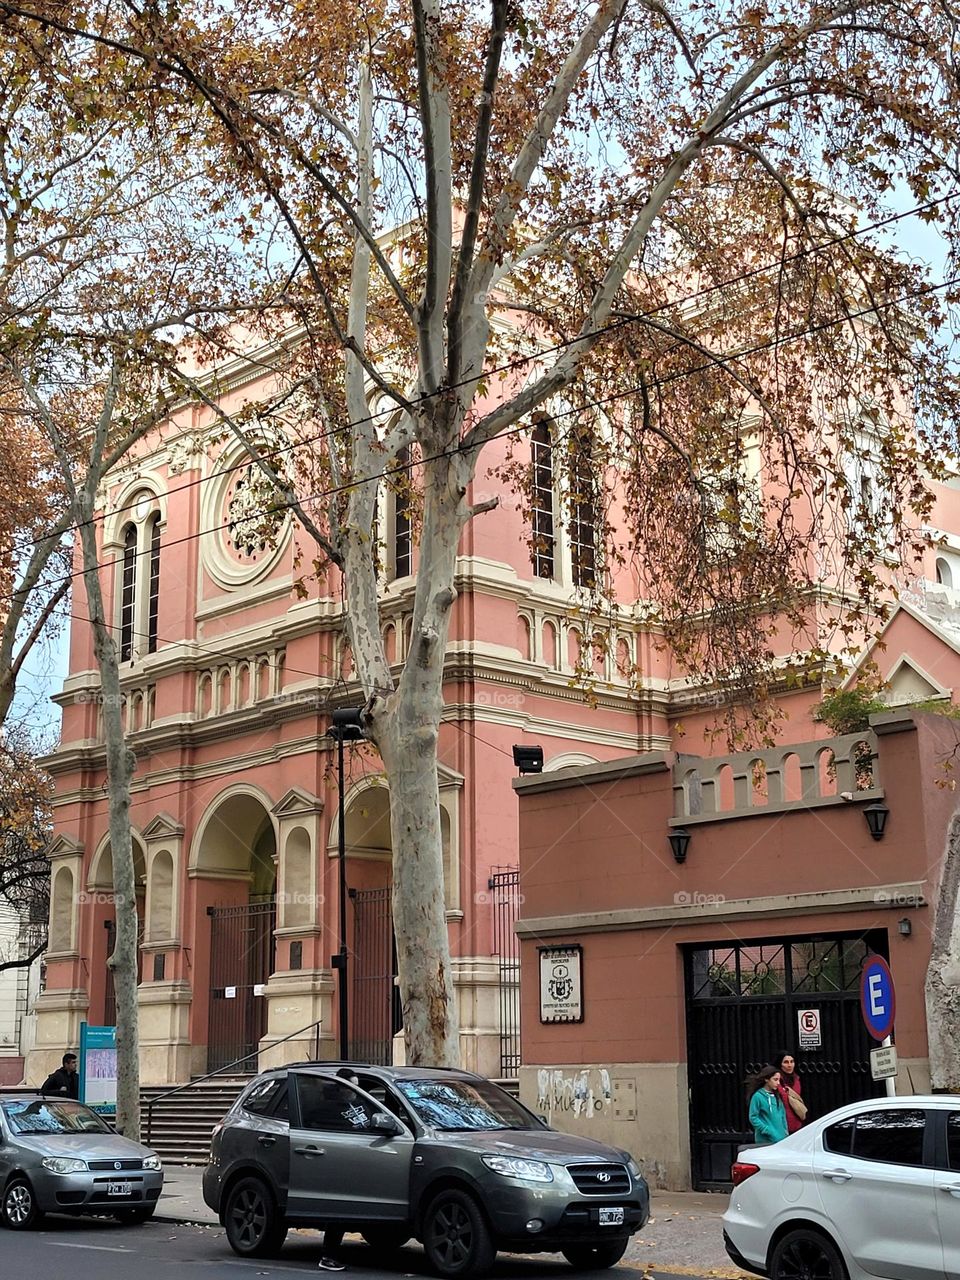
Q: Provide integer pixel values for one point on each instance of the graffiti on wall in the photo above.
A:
(584, 1093)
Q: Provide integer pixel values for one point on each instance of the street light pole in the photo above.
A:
(341, 957)
(346, 728)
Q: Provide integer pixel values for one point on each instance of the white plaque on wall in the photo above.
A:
(561, 984)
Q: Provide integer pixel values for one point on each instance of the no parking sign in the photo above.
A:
(808, 1023)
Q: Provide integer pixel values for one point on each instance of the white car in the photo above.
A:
(872, 1189)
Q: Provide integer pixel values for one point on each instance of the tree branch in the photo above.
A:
(478, 170)
(434, 98)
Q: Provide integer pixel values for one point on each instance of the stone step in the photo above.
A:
(180, 1125)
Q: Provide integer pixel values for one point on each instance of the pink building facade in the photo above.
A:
(232, 660)
(229, 676)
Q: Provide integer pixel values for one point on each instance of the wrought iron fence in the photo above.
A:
(241, 961)
(376, 1013)
(504, 886)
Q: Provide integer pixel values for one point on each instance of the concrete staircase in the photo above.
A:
(181, 1125)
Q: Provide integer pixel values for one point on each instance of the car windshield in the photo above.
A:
(34, 1116)
(464, 1104)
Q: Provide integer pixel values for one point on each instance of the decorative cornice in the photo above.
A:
(297, 803)
(587, 775)
(162, 827)
(63, 847)
(862, 898)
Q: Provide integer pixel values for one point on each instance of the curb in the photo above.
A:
(646, 1268)
(180, 1219)
(668, 1269)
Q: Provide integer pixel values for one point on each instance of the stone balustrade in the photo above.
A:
(799, 775)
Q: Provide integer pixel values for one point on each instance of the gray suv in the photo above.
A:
(394, 1152)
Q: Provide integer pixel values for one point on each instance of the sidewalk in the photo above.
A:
(683, 1236)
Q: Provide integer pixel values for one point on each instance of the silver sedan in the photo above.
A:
(58, 1156)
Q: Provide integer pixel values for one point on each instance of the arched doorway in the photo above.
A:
(375, 1010)
(375, 1007)
(236, 854)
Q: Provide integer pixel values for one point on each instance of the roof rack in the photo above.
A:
(336, 1064)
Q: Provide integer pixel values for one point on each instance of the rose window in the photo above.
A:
(255, 515)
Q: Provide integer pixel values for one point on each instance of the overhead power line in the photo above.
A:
(717, 361)
(521, 361)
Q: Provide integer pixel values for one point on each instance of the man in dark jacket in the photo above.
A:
(64, 1082)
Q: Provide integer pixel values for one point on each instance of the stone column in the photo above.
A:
(165, 994)
(63, 1005)
(300, 991)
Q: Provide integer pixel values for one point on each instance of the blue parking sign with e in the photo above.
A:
(877, 997)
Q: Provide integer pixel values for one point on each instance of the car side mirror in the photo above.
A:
(384, 1122)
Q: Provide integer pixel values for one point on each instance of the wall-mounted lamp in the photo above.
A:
(904, 927)
(876, 816)
(528, 759)
(679, 843)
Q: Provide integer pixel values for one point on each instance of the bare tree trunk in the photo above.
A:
(407, 735)
(120, 765)
(942, 986)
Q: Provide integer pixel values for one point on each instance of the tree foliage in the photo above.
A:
(648, 221)
(111, 240)
(25, 794)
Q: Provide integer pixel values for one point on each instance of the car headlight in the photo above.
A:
(635, 1170)
(513, 1167)
(63, 1164)
(152, 1162)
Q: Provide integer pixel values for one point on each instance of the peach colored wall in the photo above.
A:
(603, 847)
(906, 636)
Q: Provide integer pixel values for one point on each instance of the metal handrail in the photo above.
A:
(181, 1088)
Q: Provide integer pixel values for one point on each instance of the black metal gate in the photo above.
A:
(377, 1013)
(242, 950)
(504, 886)
(743, 999)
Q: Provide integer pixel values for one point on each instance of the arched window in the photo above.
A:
(128, 596)
(402, 544)
(944, 574)
(541, 459)
(153, 598)
(140, 580)
(583, 510)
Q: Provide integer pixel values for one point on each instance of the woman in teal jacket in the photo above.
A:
(768, 1119)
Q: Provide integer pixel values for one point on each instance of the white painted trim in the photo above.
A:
(248, 789)
(906, 661)
(869, 898)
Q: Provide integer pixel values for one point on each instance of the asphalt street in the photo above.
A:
(74, 1248)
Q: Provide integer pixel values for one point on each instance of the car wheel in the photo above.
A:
(20, 1211)
(455, 1237)
(806, 1255)
(134, 1217)
(595, 1257)
(254, 1228)
(386, 1239)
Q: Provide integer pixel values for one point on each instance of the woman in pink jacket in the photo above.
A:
(789, 1083)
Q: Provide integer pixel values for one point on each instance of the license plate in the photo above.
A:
(611, 1217)
(126, 1188)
